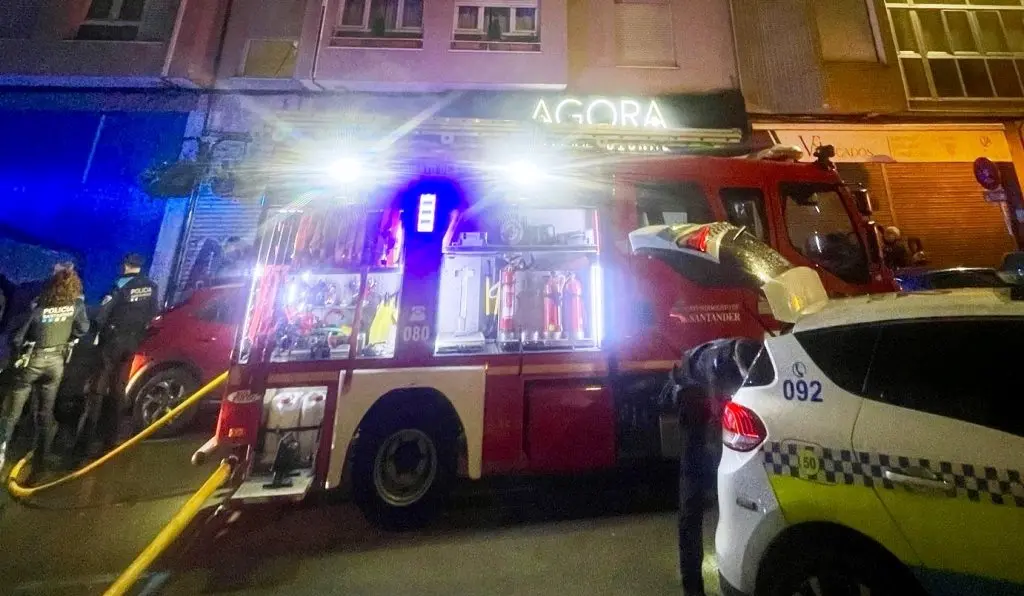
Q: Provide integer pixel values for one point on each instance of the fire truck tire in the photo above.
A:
(402, 467)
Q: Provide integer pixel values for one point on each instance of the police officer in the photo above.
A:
(43, 340)
(707, 376)
(120, 325)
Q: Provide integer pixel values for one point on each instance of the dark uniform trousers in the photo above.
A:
(695, 480)
(43, 372)
(102, 408)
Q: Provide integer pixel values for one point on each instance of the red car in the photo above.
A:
(185, 347)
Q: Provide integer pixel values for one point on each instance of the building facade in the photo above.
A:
(911, 94)
(348, 72)
(92, 94)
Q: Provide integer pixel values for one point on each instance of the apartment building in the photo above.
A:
(309, 78)
(910, 93)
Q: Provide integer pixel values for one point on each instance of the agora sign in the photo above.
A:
(621, 113)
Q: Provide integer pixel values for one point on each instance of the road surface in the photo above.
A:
(595, 536)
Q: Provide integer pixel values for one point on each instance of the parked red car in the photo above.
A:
(185, 348)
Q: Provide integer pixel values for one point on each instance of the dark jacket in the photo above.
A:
(127, 310)
(52, 326)
(709, 374)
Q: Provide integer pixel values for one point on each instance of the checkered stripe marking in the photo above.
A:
(844, 466)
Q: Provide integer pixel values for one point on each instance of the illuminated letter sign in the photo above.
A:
(621, 113)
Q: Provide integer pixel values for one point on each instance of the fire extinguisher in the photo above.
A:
(507, 298)
(552, 314)
(572, 305)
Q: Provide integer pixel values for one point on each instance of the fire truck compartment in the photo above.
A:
(570, 426)
(520, 279)
(289, 440)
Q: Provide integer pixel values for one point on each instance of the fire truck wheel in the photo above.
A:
(402, 466)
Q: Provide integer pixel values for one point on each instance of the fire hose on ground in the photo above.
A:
(181, 519)
(22, 493)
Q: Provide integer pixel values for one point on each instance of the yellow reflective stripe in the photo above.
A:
(969, 529)
(952, 534)
(852, 506)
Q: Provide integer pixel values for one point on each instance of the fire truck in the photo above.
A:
(496, 322)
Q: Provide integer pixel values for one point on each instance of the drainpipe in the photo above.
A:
(319, 42)
(172, 45)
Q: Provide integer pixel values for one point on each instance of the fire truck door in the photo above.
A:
(818, 230)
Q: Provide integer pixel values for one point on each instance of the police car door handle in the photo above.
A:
(917, 481)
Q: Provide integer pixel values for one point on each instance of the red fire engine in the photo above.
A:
(499, 323)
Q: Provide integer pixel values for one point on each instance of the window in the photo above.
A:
(761, 371)
(964, 369)
(960, 50)
(820, 229)
(847, 30)
(224, 310)
(382, 17)
(643, 33)
(844, 354)
(496, 21)
(745, 207)
(671, 203)
(112, 20)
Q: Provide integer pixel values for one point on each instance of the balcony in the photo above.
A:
(109, 43)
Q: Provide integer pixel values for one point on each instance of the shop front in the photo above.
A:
(410, 136)
(922, 180)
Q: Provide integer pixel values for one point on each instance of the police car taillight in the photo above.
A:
(742, 430)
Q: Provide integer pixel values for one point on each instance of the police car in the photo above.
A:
(877, 446)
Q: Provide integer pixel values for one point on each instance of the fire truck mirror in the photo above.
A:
(862, 198)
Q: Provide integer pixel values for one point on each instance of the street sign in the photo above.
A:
(986, 172)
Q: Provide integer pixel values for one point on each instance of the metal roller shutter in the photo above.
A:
(218, 219)
(941, 204)
(871, 176)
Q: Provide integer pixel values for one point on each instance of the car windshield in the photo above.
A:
(820, 229)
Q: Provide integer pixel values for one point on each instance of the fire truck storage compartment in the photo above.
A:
(570, 425)
(520, 279)
(292, 413)
(315, 263)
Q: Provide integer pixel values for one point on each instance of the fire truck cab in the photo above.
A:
(499, 323)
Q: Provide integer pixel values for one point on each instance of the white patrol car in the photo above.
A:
(877, 446)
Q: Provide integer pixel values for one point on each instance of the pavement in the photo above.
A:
(595, 536)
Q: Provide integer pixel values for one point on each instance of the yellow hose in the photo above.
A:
(171, 531)
(20, 492)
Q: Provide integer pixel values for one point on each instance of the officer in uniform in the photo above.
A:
(121, 322)
(699, 386)
(43, 342)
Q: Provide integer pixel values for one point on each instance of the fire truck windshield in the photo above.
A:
(820, 228)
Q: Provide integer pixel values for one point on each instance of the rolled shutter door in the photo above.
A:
(942, 204)
(216, 218)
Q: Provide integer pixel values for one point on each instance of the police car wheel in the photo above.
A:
(402, 467)
(159, 394)
(844, 569)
